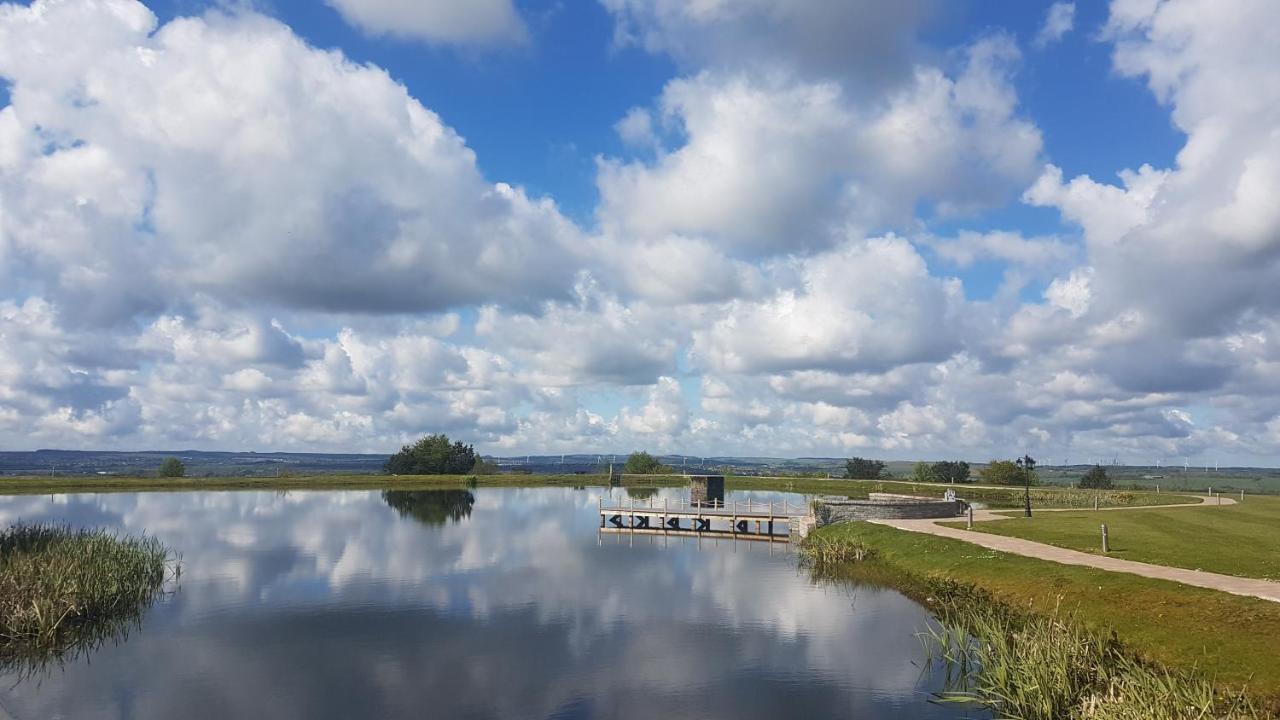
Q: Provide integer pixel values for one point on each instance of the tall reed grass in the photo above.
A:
(1054, 667)
(61, 588)
(821, 552)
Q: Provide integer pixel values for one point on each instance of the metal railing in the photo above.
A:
(750, 507)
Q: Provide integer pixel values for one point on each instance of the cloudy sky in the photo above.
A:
(770, 227)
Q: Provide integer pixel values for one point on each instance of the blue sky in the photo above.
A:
(918, 229)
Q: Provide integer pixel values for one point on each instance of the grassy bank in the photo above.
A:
(1047, 667)
(63, 588)
(1240, 539)
(1229, 639)
(992, 497)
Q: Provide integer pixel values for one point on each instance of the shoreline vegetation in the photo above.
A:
(993, 497)
(1152, 636)
(66, 591)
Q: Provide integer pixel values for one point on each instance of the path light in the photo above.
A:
(1026, 464)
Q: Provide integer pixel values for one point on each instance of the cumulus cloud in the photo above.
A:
(475, 22)
(320, 184)
(863, 306)
(215, 235)
(775, 164)
(968, 247)
(1058, 21)
(870, 45)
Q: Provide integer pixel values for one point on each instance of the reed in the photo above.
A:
(820, 551)
(1047, 667)
(62, 588)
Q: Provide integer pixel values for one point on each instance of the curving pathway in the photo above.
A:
(1250, 587)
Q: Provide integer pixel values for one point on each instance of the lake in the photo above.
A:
(489, 603)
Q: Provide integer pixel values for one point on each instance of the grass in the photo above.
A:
(992, 497)
(1047, 667)
(995, 497)
(1241, 540)
(1230, 639)
(61, 588)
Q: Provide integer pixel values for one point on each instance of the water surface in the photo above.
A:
(492, 603)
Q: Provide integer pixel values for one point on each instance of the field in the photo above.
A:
(1251, 480)
(1242, 540)
(1229, 637)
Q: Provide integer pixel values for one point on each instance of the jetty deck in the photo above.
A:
(739, 518)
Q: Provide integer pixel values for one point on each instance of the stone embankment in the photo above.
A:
(885, 506)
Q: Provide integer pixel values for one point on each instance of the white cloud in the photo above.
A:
(214, 235)
(1058, 21)
(866, 305)
(968, 247)
(318, 184)
(867, 44)
(474, 22)
(776, 164)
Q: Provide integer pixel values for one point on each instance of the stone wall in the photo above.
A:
(829, 511)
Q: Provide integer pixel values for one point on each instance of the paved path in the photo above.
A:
(1265, 589)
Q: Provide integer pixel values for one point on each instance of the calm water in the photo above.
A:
(505, 603)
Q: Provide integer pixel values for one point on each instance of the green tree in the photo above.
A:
(1006, 472)
(863, 469)
(433, 455)
(642, 463)
(1096, 479)
(923, 472)
(172, 468)
(952, 472)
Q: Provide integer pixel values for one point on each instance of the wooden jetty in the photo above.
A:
(746, 520)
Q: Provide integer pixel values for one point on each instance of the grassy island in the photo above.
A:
(63, 589)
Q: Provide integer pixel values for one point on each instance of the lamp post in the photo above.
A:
(1026, 464)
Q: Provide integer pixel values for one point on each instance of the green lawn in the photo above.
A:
(1231, 638)
(1242, 540)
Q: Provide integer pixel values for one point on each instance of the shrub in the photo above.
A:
(952, 472)
(642, 463)
(172, 468)
(862, 469)
(1096, 479)
(433, 455)
(1006, 472)
(923, 472)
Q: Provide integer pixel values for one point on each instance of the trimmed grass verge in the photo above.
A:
(1241, 540)
(1229, 639)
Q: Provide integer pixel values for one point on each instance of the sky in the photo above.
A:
(910, 230)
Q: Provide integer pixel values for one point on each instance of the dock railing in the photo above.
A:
(752, 508)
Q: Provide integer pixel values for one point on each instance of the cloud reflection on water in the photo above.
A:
(333, 604)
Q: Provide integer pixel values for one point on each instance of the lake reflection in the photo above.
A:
(492, 603)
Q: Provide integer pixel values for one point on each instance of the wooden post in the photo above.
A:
(970, 517)
(1241, 496)
(1095, 502)
(1106, 546)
